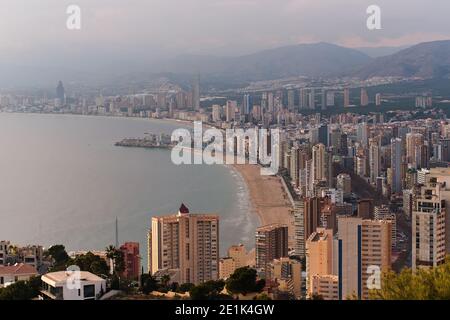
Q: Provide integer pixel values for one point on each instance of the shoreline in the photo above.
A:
(267, 197)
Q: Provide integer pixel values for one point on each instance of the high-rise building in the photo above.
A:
(346, 98)
(287, 273)
(230, 111)
(414, 141)
(319, 163)
(396, 165)
(364, 246)
(302, 99)
(216, 112)
(196, 93)
(362, 134)
(374, 159)
(378, 99)
(430, 220)
(364, 97)
(299, 228)
(323, 135)
(291, 100)
(319, 256)
(188, 243)
(295, 166)
(312, 99)
(247, 104)
(237, 258)
(132, 260)
(271, 243)
(60, 93)
(344, 183)
(330, 98)
(384, 213)
(365, 208)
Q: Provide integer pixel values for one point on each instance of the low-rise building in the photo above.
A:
(62, 285)
(17, 272)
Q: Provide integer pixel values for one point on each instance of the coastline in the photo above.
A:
(267, 197)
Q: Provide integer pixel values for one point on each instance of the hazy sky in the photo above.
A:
(34, 31)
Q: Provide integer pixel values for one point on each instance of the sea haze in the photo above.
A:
(62, 180)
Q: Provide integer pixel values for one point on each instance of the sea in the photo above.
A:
(63, 181)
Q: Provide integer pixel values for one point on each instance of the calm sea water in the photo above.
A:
(62, 180)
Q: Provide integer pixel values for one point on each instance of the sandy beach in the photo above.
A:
(268, 198)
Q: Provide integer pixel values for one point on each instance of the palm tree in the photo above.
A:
(165, 280)
(111, 255)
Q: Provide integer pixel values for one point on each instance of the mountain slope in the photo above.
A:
(425, 60)
(313, 60)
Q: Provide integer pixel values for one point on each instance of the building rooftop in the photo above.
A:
(18, 269)
(271, 227)
(63, 276)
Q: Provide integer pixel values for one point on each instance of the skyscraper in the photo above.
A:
(344, 183)
(396, 165)
(302, 99)
(187, 243)
(247, 104)
(364, 97)
(414, 142)
(271, 243)
(378, 99)
(363, 246)
(384, 213)
(346, 98)
(431, 221)
(230, 111)
(319, 256)
(60, 93)
(312, 99)
(319, 163)
(374, 159)
(196, 93)
(363, 134)
(291, 100)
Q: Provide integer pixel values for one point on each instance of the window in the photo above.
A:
(89, 291)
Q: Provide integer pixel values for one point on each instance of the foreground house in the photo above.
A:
(55, 286)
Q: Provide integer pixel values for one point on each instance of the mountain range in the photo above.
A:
(319, 60)
(425, 60)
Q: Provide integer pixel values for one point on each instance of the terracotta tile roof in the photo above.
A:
(17, 269)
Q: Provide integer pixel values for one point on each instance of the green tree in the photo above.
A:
(165, 281)
(148, 283)
(185, 287)
(59, 255)
(21, 290)
(209, 290)
(117, 259)
(424, 284)
(243, 281)
(92, 263)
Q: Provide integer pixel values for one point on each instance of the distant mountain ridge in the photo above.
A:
(318, 60)
(312, 60)
(425, 60)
